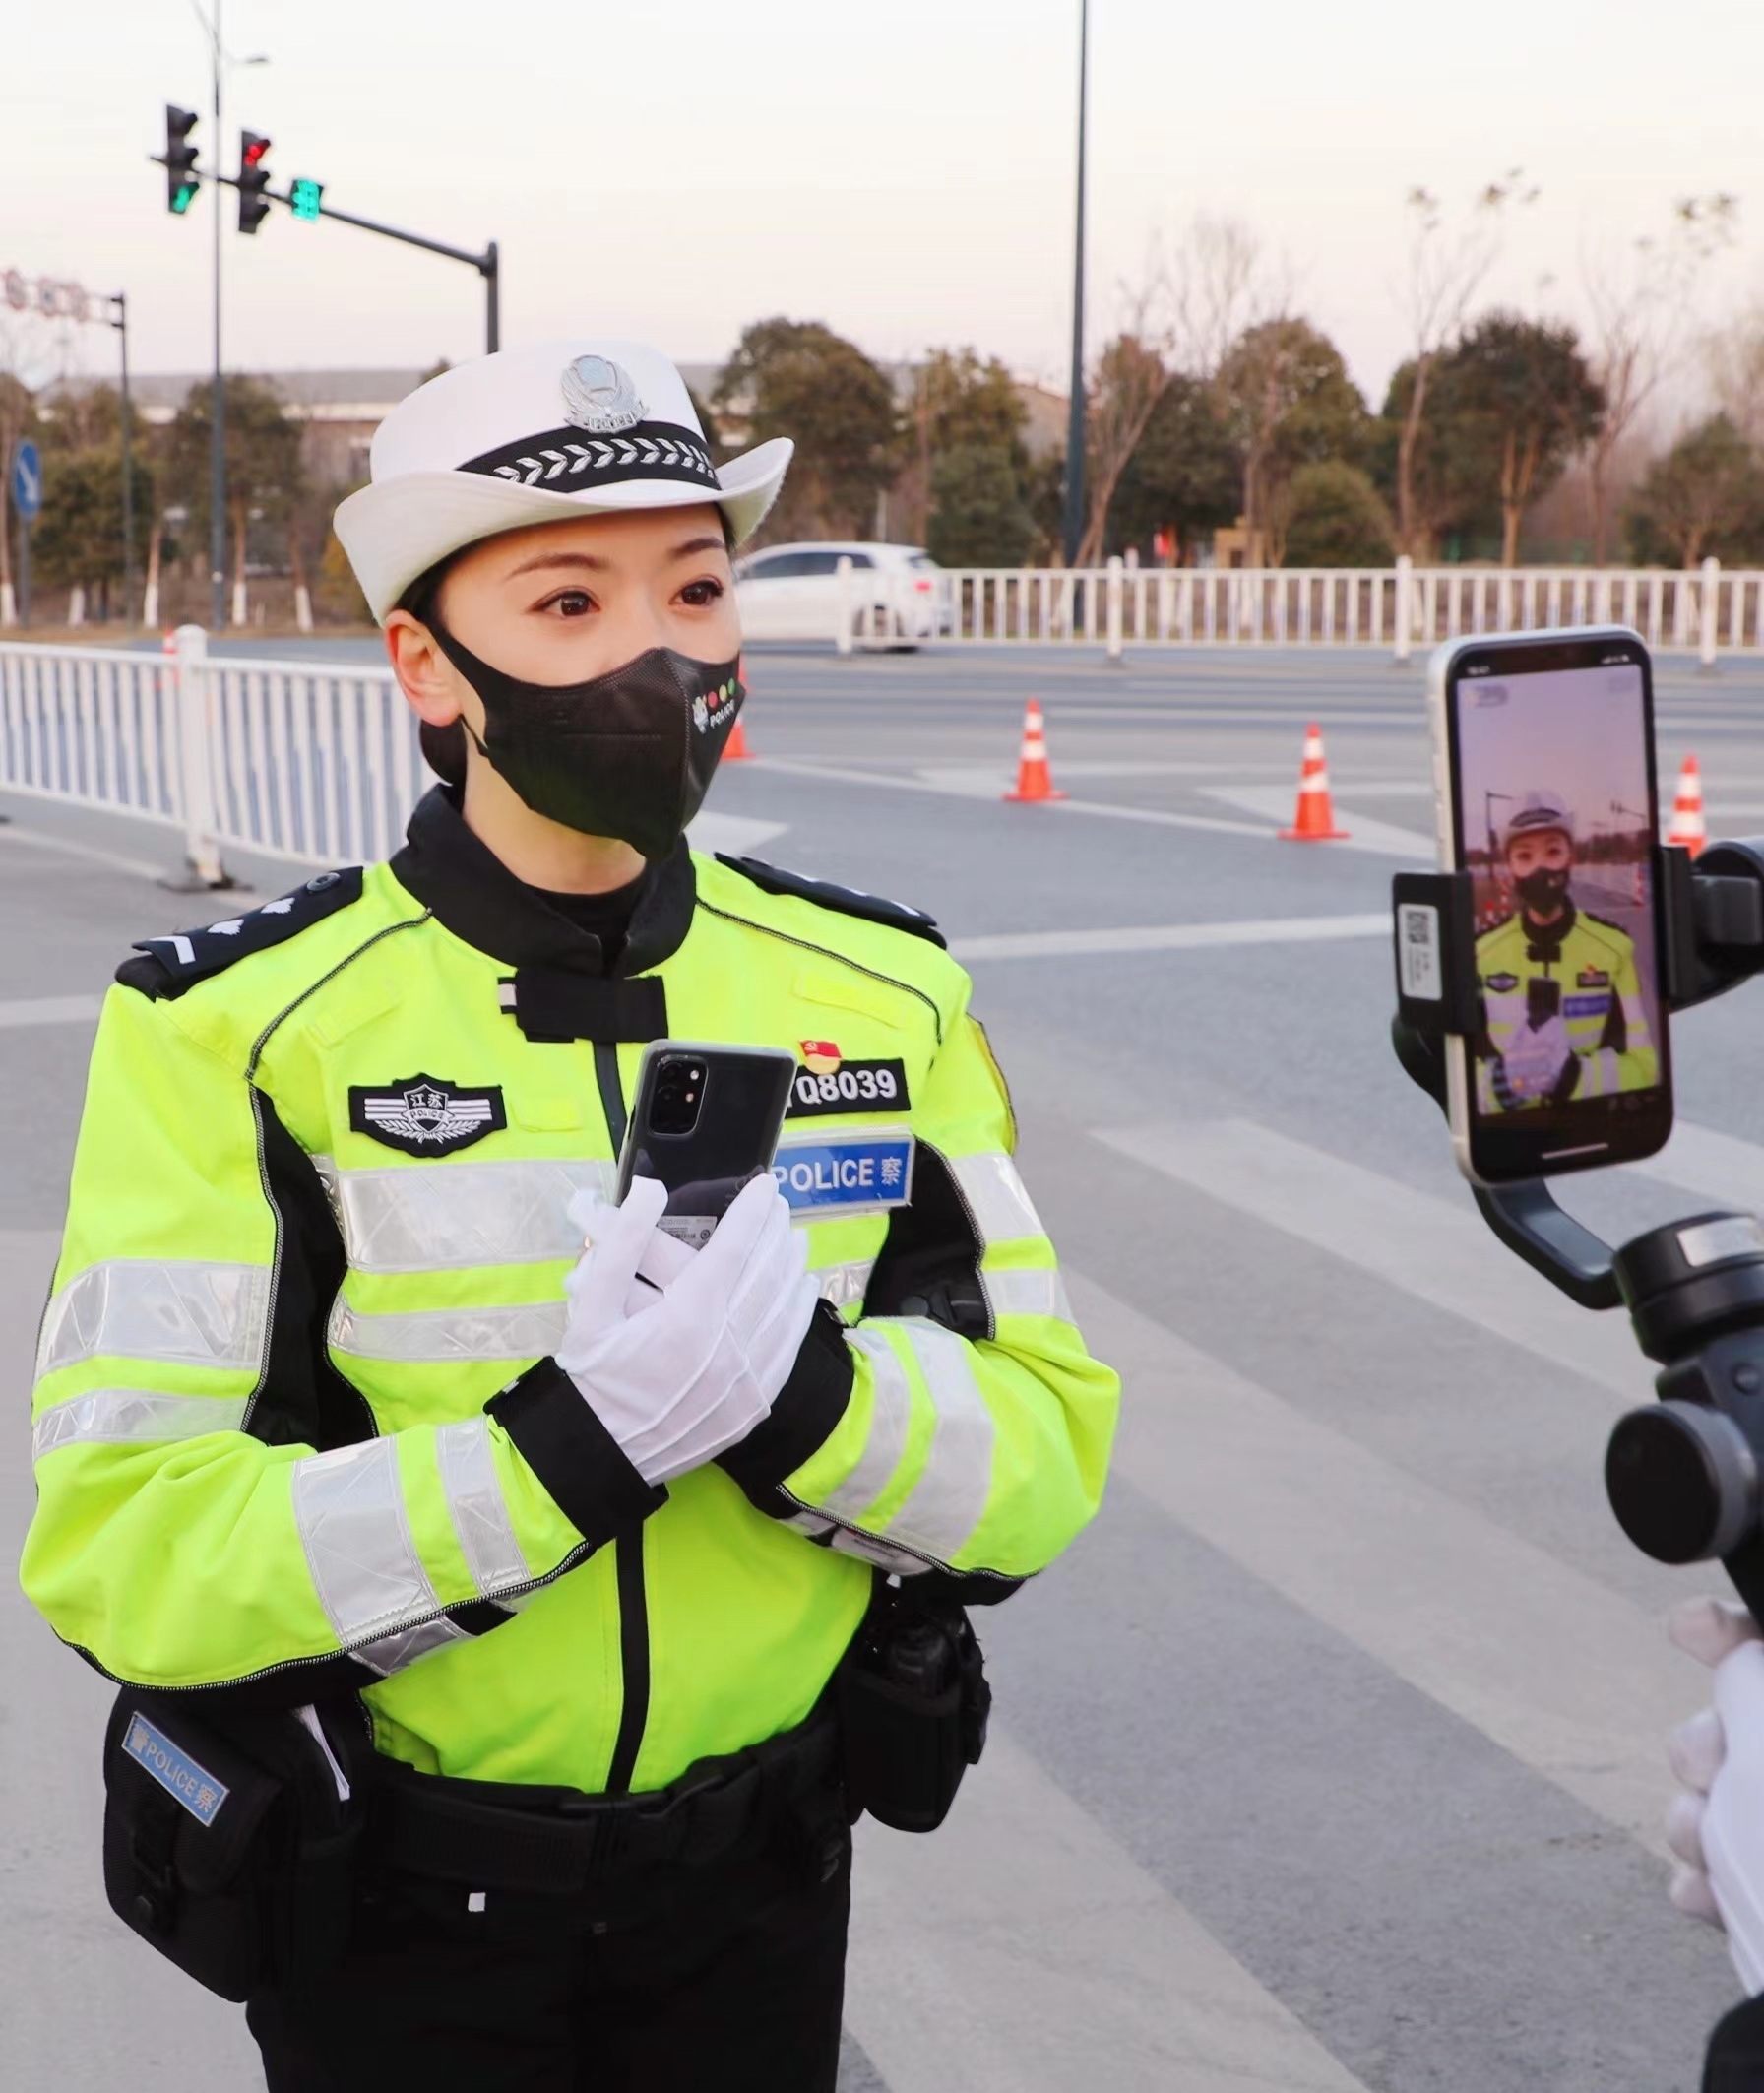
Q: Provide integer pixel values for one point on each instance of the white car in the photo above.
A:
(894, 595)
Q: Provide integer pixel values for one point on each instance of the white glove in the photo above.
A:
(1536, 1059)
(691, 1369)
(1714, 1823)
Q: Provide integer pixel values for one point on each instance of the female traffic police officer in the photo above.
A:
(334, 1415)
(1564, 1012)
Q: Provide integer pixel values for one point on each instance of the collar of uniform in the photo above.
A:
(470, 890)
(1544, 941)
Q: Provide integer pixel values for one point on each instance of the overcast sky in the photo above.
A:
(672, 168)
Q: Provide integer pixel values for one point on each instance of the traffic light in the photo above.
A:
(254, 179)
(181, 182)
(303, 197)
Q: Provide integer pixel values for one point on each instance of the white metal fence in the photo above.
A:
(310, 762)
(1401, 607)
(322, 764)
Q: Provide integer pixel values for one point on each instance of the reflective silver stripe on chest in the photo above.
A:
(184, 1313)
(437, 1217)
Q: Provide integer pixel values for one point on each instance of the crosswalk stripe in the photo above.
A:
(993, 1957)
(1170, 938)
(50, 1010)
(1572, 1678)
(1437, 1250)
(1274, 803)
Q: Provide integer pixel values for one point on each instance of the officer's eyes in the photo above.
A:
(702, 595)
(569, 602)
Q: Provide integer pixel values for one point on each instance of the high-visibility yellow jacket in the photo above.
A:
(1596, 991)
(317, 1224)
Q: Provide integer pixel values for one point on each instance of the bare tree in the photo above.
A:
(1194, 301)
(1640, 303)
(1446, 270)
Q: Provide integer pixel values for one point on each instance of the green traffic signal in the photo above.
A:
(180, 159)
(184, 195)
(303, 198)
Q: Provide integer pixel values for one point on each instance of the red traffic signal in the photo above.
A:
(254, 179)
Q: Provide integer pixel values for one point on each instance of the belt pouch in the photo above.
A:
(914, 1701)
(225, 1844)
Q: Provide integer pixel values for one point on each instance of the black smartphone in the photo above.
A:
(1547, 795)
(706, 1121)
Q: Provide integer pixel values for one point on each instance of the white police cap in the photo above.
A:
(1540, 810)
(532, 436)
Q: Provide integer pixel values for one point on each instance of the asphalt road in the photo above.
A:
(1330, 1758)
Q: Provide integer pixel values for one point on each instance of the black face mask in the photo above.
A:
(630, 754)
(1543, 891)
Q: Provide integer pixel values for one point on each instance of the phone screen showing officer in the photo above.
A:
(1555, 813)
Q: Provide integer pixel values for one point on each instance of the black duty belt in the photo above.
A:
(560, 1841)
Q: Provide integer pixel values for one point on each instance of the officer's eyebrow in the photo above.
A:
(589, 562)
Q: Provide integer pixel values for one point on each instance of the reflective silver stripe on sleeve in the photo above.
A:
(896, 1561)
(479, 1511)
(128, 1417)
(891, 1409)
(992, 1188)
(436, 1216)
(386, 1654)
(1039, 1292)
(842, 1284)
(188, 1314)
(349, 1509)
(437, 1335)
(948, 1500)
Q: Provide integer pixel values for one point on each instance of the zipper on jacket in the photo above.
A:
(633, 1596)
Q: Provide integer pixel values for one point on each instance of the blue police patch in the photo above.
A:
(1585, 1005)
(859, 1173)
(175, 1771)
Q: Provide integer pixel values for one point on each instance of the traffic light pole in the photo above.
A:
(488, 264)
(217, 409)
(121, 323)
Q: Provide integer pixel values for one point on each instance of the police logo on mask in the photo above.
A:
(424, 1117)
(599, 397)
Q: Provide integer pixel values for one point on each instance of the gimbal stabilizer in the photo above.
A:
(1686, 1477)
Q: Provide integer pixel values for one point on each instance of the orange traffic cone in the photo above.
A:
(1033, 779)
(735, 748)
(1314, 821)
(1688, 828)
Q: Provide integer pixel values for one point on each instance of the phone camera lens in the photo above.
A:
(679, 1088)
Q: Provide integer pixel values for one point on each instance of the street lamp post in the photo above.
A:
(1073, 533)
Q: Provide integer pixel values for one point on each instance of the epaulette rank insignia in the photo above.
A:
(872, 907)
(179, 961)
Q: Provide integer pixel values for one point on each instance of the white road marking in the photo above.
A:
(1437, 1250)
(844, 774)
(1715, 1165)
(1570, 1678)
(990, 780)
(1170, 938)
(1275, 804)
(34, 840)
(988, 1957)
(736, 835)
(50, 1010)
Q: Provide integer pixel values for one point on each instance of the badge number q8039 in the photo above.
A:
(827, 1083)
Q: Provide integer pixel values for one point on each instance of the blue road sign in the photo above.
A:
(28, 480)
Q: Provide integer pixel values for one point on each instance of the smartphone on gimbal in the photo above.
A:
(706, 1120)
(1547, 797)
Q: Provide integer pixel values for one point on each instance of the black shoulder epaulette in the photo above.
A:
(165, 966)
(846, 900)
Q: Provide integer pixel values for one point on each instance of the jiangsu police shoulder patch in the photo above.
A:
(167, 966)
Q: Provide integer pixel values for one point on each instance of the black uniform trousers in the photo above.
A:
(728, 1976)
